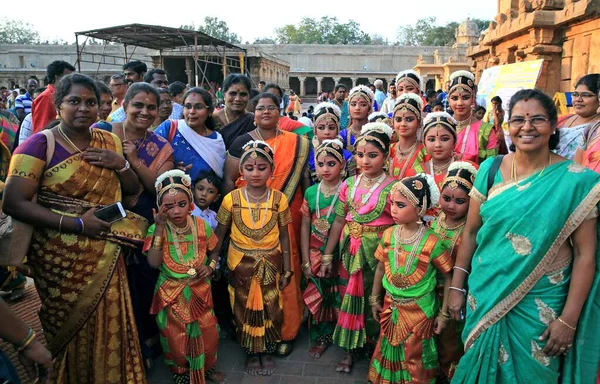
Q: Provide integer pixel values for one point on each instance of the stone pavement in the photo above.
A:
(298, 368)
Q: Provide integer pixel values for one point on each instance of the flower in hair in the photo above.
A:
(377, 127)
(435, 115)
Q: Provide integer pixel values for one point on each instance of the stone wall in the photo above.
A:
(559, 31)
(20, 62)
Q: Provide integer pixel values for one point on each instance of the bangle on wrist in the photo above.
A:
(80, 227)
(444, 315)
(306, 265)
(139, 164)
(157, 242)
(572, 328)
(464, 291)
(461, 269)
(326, 259)
(374, 299)
(213, 264)
(21, 345)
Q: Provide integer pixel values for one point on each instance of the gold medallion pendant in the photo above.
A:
(322, 225)
(192, 272)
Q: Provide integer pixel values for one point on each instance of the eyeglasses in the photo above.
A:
(536, 122)
(197, 107)
(585, 95)
(270, 108)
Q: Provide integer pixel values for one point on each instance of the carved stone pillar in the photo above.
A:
(336, 80)
(302, 86)
(319, 85)
(354, 80)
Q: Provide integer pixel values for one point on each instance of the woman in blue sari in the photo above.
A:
(529, 251)
(198, 148)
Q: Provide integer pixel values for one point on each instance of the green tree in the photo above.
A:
(377, 39)
(327, 30)
(17, 32)
(217, 28)
(482, 24)
(264, 40)
(427, 32)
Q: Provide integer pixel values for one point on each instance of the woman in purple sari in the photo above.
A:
(150, 155)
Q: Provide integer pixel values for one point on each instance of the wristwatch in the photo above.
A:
(126, 167)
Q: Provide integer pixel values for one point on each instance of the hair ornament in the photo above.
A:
(170, 182)
(376, 127)
(327, 111)
(411, 76)
(462, 81)
(410, 102)
(253, 148)
(460, 173)
(363, 91)
(333, 147)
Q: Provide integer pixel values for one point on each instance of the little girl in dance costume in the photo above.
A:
(178, 244)
(362, 214)
(360, 106)
(321, 294)
(449, 226)
(409, 254)
(258, 217)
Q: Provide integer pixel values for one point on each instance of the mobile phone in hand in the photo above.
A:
(111, 213)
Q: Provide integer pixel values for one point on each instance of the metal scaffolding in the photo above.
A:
(205, 49)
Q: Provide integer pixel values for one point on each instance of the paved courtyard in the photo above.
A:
(298, 368)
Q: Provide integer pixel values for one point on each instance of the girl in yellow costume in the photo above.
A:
(258, 217)
(178, 243)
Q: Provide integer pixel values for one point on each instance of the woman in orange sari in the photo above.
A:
(290, 157)
(77, 259)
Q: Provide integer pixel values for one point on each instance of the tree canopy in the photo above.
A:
(326, 30)
(217, 28)
(18, 32)
(426, 32)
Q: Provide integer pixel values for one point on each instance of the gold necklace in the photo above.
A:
(329, 191)
(402, 154)
(369, 182)
(257, 130)
(439, 169)
(513, 172)
(64, 136)
(180, 232)
(460, 125)
(143, 138)
(225, 113)
(415, 241)
(192, 272)
(257, 198)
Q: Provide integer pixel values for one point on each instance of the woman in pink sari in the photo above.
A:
(476, 140)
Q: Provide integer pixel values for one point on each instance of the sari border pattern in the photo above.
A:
(506, 304)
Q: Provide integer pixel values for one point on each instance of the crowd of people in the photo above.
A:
(440, 242)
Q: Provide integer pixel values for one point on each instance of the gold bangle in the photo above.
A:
(139, 164)
(572, 328)
(444, 315)
(326, 259)
(374, 299)
(27, 342)
(212, 264)
(306, 265)
(157, 242)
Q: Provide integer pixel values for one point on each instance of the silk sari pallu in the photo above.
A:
(86, 309)
(519, 282)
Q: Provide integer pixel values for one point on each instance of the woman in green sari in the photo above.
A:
(529, 252)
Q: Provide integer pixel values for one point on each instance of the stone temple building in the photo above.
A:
(565, 33)
(306, 68)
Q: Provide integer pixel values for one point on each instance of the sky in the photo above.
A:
(250, 19)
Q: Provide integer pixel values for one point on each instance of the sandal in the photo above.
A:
(345, 366)
(317, 350)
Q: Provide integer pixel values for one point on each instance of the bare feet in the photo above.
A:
(217, 377)
(268, 365)
(345, 365)
(317, 350)
(253, 366)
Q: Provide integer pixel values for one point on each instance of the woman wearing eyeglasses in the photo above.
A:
(289, 176)
(197, 147)
(530, 255)
(585, 103)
